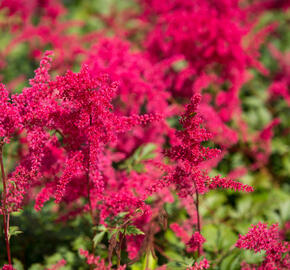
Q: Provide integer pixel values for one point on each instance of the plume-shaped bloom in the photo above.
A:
(189, 154)
(263, 237)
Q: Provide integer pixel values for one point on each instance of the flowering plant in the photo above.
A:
(151, 135)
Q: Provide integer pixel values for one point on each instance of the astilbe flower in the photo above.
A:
(194, 31)
(261, 144)
(8, 267)
(31, 123)
(141, 88)
(49, 30)
(73, 168)
(261, 6)
(97, 262)
(180, 232)
(48, 8)
(263, 237)
(119, 202)
(195, 241)
(86, 119)
(10, 119)
(280, 87)
(203, 264)
(78, 107)
(189, 154)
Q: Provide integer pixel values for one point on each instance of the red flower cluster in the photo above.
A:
(261, 237)
(195, 241)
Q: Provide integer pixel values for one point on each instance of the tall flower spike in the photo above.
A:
(189, 153)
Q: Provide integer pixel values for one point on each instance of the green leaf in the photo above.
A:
(232, 262)
(148, 151)
(149, 261)
(100, 228)
(179, 65)
(210, 233)
(176, 266)
(252, 257)
(132, 230)
(99, 237)
(17, 264)
(139, 167)
(122, 214)
(14, 230)
(142, 153)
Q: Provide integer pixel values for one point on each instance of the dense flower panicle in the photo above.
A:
(18, 185)
(34, 103)
(73, 168)
(180, 232)
(190, 150)
(261, 237)
(189, 154)
(195, 241)
(10, 119)
(44, 195)
(226, 183)
(34, 107)
(141, 88)
(97, 262)
(78, 107)
(222, 134)
(8, 267)
(26, 9)
(280, 87)
(139, 79)
(212, 57)
(260, 6)
(203, 264)
(121, 202)
(261, 150)
(195, 31)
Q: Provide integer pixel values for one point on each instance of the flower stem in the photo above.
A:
(196, 201)
(4, 208)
